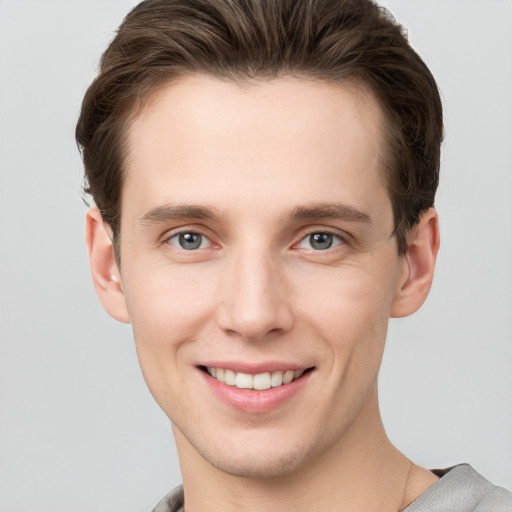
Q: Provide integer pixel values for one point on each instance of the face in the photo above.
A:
(258, 266)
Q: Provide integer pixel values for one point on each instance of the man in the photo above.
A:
(264, 174)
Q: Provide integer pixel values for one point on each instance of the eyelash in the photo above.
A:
(336, 239)
(176, 236)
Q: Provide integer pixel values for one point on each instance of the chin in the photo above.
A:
(257, 463)
(261, 466)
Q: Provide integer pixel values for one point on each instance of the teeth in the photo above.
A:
(288, 377)
(297, 374)
(244, 381)
(276, 379)
(260, 382)
(230, 377)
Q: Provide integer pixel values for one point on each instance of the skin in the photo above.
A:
(256, 169)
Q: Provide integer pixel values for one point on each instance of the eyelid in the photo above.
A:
(176, 232)
(176, 236)
(336, 236)
(342, 238)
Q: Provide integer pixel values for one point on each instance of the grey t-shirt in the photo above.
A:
(459, 489)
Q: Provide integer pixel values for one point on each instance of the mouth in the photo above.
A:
(257, 382)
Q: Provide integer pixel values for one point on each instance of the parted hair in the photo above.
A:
(353, 41)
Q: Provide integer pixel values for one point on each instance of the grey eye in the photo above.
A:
(189, 241)
(320, 241)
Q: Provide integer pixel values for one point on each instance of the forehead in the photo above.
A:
(285, 141)
(201, 105)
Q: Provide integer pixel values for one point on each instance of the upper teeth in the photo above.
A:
(260, 381)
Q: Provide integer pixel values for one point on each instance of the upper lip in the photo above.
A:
(254, 368)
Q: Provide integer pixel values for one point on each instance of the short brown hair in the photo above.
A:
(330, 40)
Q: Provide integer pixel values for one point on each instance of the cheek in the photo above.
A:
(350, 307)
(168, 303)
(168, 310)
(352, 296)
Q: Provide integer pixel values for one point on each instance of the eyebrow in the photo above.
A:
(330, 211)
(167, 212)
(320, 211)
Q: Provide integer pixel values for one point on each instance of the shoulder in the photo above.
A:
(498, 500)
(460, 489)
(463, 489)
(172, 502)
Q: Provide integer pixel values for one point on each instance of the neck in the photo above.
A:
(362, 471)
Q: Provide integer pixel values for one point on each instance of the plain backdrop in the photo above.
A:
(78, 429)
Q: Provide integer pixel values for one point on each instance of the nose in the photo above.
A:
(254, 301)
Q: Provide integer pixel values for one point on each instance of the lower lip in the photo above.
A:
(255, 401)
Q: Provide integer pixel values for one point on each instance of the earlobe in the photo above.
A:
(419, 263)
(104, 270)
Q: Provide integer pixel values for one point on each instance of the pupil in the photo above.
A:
(190, 241)
(321, 241)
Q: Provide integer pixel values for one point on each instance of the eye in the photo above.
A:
(189, 241)
(320, 241)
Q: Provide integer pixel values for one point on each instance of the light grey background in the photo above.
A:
(78, 430)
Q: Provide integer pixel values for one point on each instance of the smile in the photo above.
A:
(259, 382)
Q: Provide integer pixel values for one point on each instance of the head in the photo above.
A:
(265, 177)
(336, 41)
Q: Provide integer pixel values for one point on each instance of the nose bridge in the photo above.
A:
(253, 299)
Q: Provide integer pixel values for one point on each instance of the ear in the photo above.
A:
(104, 271)
(419, 263)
